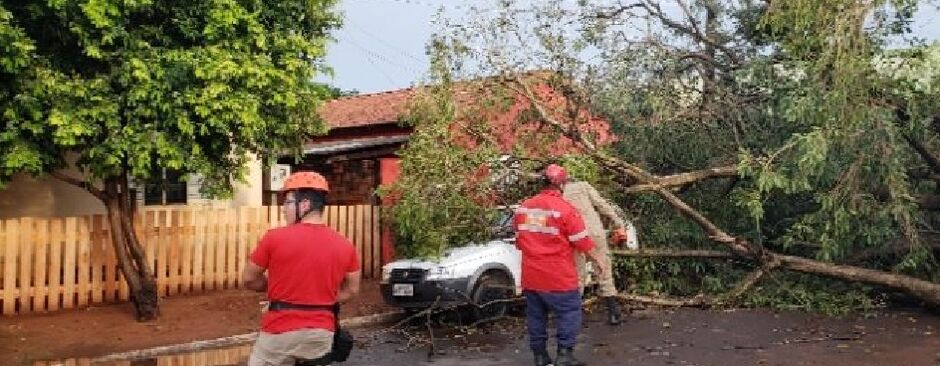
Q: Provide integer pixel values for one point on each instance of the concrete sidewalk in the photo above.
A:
(236, 340)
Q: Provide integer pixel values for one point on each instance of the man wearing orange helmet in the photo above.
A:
(548, 232)
(307, 269)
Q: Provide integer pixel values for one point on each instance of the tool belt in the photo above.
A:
(342, 339)
(284, 305)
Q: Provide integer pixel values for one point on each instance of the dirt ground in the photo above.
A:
(102, 330)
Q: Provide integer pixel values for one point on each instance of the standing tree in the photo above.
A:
(118, 88)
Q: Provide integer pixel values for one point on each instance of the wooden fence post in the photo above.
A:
(11, 247)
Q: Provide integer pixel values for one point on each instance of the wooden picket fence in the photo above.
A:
(65, 263)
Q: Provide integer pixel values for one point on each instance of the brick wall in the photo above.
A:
(352, 182)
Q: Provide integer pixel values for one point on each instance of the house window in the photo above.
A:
(166, 188)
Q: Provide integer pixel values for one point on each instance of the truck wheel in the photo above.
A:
(490, 287)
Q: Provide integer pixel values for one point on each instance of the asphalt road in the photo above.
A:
(684, 337)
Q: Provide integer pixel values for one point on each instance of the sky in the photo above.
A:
(382, 43)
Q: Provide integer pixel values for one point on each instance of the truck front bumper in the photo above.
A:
(426, 293)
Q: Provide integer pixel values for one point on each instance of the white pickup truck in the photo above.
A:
(475, 274)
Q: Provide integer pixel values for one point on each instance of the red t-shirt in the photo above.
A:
(548, 230)
(306, 264)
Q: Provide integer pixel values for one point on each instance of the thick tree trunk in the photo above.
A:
(925, 290)
(131, 259)
(130, 255)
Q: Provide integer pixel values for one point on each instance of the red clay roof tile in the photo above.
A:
(367, 109)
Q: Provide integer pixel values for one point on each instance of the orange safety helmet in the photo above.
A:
(555, 174)
(305, 180)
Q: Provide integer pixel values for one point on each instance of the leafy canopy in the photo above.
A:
(129, 85)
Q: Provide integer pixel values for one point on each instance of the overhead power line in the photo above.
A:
(384, 42)
(450, 5)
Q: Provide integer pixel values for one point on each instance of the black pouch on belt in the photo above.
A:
(343, 341)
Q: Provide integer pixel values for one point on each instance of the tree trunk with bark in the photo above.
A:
(130, 255)
(135, 266)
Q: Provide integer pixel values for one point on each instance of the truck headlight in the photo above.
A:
(439, 273)
(386, 274)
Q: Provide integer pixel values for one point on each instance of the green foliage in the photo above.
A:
(820, 117)
(853, 156)
(683, 277)
(794, 291)
(127, 86)
(456, 172)
(824, 158)
(440, 199)
(779, 290)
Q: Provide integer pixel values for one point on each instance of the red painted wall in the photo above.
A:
(389, 171)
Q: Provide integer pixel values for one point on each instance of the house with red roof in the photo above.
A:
(359, 153)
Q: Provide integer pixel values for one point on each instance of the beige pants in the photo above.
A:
(605, 283)
(284, 348)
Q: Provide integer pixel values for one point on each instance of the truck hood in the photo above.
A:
(455, 256)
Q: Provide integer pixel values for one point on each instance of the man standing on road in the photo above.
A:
(591, 205)
(310, 269)
(548, 231)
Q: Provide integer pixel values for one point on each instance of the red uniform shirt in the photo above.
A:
(306, 264)
(548, 230)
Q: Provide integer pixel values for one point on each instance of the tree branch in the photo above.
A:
(615, 13)
(925, 290)
(705, 58)
(936, 123)
(751, 280)
(635, 173)
(923, 174)
(659, 253)
(697, 301)
(682, 179)
(80, 184)
(929, 202)
(924, 153)
(903, 118)
(693, 32)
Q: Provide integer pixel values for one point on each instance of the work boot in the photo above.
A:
(614, 316)
(542, 358)
(566, 357)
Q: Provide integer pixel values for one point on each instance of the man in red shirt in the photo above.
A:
(310, 268)
(548, 231)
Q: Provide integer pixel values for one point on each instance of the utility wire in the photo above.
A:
(439, 6)
(377, 55)
(368, 57)
(384, 42)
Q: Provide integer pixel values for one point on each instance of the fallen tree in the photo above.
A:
(801, 155)
(741, 247)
